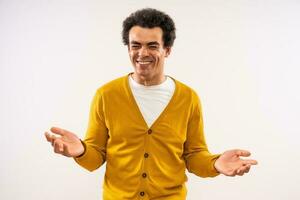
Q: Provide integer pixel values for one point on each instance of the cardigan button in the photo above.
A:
(144, 175)
(142, 193)
(149, 131)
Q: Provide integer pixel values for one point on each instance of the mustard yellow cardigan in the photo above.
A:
(145, 162)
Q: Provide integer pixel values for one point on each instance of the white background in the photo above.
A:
(242, 57)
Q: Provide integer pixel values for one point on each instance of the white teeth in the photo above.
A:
(144, 62)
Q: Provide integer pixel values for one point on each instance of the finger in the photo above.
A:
(59, 131)
(53, 138)
(55, 147)
(242, 170)
(249, 162)
(48, 136)
(241, 152)
(247, 168)
(241, 173)
(58, 146)
(66, 150)
(234, 173)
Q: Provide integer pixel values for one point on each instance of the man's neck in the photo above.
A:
(148, 82)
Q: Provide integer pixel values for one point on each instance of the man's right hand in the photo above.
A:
(67, 143)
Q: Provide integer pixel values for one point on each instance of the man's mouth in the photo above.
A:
(144, 62)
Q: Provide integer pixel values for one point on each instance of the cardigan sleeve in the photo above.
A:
(199, 160)
(95, 138)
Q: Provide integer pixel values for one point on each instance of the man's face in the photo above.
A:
(147, 52)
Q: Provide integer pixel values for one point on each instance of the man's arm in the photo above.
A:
(91, 152)
(96, 137)
(198, 159)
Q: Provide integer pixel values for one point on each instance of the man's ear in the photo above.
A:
(168, 51)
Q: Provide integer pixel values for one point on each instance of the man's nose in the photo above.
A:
(143, 51)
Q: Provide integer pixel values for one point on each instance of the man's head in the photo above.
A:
(149, 35)
(150, 18)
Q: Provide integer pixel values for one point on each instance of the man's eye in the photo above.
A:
(153, 47)
(134, 46)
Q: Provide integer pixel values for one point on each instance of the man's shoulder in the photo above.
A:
(115, 85)
(185, 89)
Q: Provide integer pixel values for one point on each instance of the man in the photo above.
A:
(147, 126)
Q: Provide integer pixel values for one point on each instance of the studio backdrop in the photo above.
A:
(240, 56)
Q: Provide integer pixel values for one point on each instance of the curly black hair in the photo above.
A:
(150, 18)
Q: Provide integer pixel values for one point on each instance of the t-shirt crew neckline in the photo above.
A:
(159, 86)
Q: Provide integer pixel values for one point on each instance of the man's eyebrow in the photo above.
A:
(134, 42)
(149, 43)
(152, 43)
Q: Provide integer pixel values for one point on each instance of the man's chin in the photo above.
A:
(144, 67)
(142, 71)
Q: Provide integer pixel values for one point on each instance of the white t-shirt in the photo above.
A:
(153, 99)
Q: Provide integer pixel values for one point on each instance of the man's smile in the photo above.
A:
(144, 62)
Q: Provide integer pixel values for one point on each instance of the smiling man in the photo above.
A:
(147, 54)
(147, 126)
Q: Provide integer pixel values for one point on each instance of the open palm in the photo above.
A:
(67, 143)
(230, 163)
